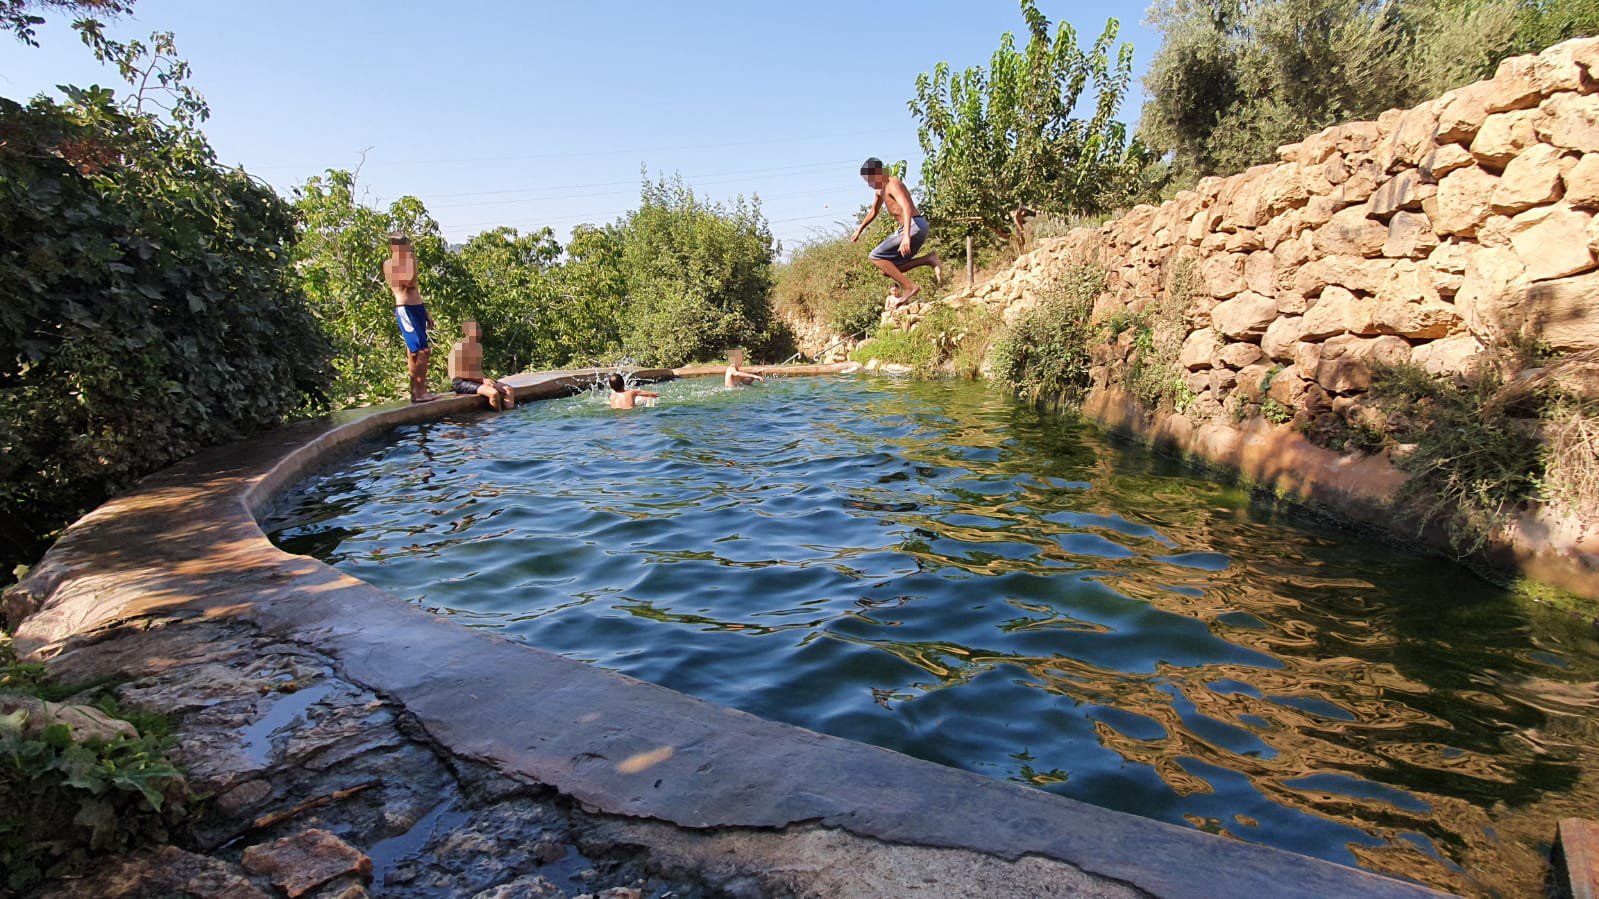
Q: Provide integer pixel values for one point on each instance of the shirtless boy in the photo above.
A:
(896, 254)
(622, 397)
(399, 270)
(466, 370)
(736, 376)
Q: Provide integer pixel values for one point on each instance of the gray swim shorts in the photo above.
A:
(889, 248)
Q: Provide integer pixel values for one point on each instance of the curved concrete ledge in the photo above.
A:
(185, 547)
(1564, 553)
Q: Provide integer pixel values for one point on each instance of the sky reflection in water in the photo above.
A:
(934, 568)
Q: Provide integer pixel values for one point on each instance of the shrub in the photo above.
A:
(151, 309)
(947, 339)
(64, 801)
(1472, 455)
(698, 276)
(830, 282)
(1045, 354)
(1154, 375)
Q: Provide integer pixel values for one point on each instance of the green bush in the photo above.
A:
(151, 309)
(831, 282)
(1154, 375)
(1472, 456)
(698, 277)
(946, 339)
(65, 801)
(1045, 354)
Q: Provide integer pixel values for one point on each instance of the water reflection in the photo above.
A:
(933, 568)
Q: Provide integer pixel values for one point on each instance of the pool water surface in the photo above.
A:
(938, 569)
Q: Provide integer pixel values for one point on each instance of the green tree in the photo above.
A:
(698, 276)
(21, 17)
(339, 256)
(151, 308)
(1003, 145)
(530, 319)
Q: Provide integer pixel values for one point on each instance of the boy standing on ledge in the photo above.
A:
(466, 370)
(399, 271)
(896, 254)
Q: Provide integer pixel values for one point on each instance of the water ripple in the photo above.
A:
(936, 569)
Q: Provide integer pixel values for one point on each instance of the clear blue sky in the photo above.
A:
(540, 113)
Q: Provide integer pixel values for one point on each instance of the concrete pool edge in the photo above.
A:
(185, 546)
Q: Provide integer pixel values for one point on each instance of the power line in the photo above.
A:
(589, 154)
(634, 181)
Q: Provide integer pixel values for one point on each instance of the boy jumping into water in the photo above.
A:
(466, 370)
(896, 255)
(399, 270)
(736, 376)
(622, 397)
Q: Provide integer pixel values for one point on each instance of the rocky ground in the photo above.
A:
(303, 766)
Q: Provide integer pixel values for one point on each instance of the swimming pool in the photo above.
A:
(935, 568)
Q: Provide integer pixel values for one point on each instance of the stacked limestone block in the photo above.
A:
(1425, 236)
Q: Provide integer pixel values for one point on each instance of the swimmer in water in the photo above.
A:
(736, 376)
(624, 398)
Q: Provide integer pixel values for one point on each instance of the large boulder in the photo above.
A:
(1503, 135)
(1260, 273)
(1405, 190)
(1244, 317)
(1339, 312)
(1197, 350)
(1457, 355)
(1522, 81)
(1552, 242)
(1223, 274)
(1352, 272)
(1564, 313)
(1282, 189)
(1412, 137)
(1462, 113)
(1428, 319)
(1443, 160)
(1410, 235)
(1239, 355)
(1493, 283)
(1570, 122)
(1281, 335)
(1531, 179)
(1351, 233)
(1582, 182)
(1345, 363)
(1464, 201)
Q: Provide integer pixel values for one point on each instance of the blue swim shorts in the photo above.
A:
(413, 326)
(889, 248)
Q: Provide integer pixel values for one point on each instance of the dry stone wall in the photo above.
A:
(1427, 236)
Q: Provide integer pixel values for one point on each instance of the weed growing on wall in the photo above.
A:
(947, 339)
(1044, 356)
(1472, 449)
(1154, 375)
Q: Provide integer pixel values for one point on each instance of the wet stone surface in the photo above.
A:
(320, 788)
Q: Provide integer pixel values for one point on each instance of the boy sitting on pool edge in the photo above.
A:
(466, 370)
(622, 397)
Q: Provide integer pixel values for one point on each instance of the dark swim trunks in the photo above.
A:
(413, 326)
(889, 248)
(465, 385)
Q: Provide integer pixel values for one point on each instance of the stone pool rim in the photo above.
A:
(186, 544)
